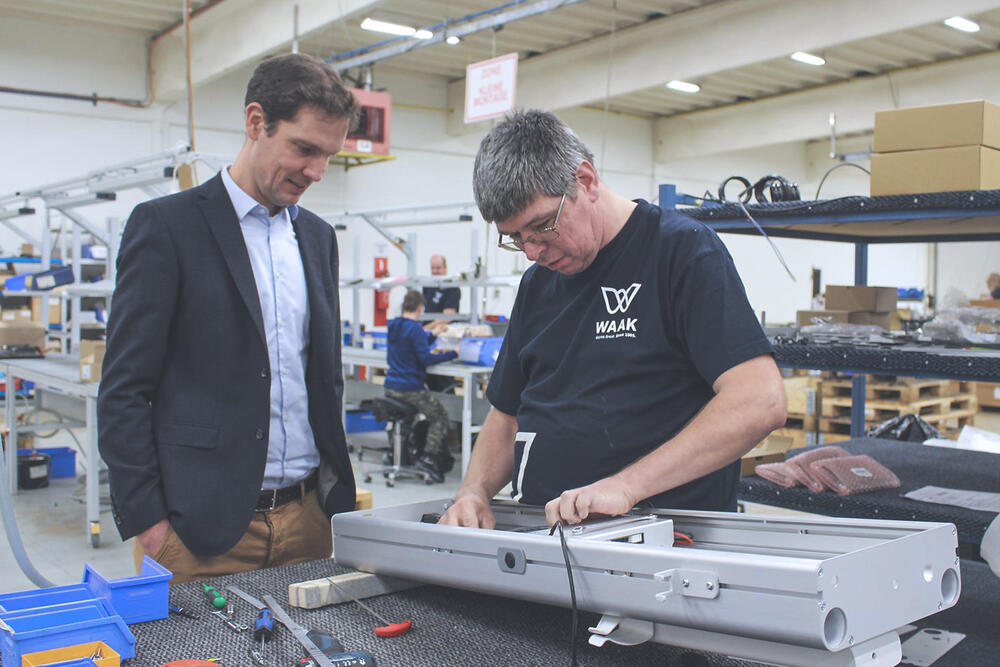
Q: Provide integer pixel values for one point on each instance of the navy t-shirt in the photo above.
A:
(604, 366)
(436, 299)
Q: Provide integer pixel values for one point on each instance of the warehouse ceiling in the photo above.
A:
(734, 50)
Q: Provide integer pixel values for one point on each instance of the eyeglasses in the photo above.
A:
(540, 235)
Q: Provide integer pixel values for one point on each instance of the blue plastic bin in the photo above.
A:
(16, 283)
(480, 351)
(143, 597)
(361, 422)
(62, 460)
(48, 630)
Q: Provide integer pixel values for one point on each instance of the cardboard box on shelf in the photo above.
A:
(27, 250)
(16, 315)
(988, 394)
(935, 170)
(22, 333)
(861, 297)
(91, 360)
(974, 123)
(55, 309)
(885, 320)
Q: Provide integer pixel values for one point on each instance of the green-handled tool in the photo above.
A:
(214, 597)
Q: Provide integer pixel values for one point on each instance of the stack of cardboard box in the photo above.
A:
(939, 148)
(856, 304)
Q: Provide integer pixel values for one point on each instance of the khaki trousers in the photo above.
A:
(293, 533)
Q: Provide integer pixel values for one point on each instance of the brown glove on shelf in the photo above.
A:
(850, 475)
(781, 474)
(801, 462)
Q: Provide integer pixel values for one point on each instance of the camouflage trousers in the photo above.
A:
(437, 417)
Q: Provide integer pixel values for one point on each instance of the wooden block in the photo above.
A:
(356, 585)
(363, 499)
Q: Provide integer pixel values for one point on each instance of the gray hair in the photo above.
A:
(527, 155)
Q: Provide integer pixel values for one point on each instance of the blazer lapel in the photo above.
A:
(221, 218)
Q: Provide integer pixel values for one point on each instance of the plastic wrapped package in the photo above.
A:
(781, 474)
(801, 464)
(850, 475)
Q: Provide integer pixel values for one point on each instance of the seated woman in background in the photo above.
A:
(409, 356)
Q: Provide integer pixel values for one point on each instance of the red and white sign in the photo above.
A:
(490, 88)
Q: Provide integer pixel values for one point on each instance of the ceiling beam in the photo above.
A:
(804, 115)
(696, 43)
(235, 33)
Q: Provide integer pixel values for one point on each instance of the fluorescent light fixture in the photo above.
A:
(389, 28)
(80, 200)
(959, 23)
(452, 40)
(423, 34)
(683, 86)
(807, 58)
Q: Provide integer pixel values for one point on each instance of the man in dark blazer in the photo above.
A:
(220, 403)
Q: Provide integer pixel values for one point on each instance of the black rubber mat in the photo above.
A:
(951, 364)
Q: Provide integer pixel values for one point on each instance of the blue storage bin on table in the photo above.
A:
(40, 628)
(480, 351)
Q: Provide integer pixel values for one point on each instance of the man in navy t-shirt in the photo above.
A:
(633, 370)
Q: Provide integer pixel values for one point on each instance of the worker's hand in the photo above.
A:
(437, 327)
(153, 538)
(608, 496)
(471, 510)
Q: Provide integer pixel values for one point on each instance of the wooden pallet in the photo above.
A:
(879, 411)
(899, 389)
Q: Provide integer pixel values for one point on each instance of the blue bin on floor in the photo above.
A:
(62, 460)
(361, 422)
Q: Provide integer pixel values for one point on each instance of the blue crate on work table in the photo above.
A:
(480, 351)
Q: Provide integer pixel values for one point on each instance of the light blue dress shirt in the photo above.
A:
(284, 304)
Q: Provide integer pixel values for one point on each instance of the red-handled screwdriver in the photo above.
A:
(390, 629)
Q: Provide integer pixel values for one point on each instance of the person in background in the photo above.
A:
(409, 355)
(441, 299)
(220, 406)
(993, 284)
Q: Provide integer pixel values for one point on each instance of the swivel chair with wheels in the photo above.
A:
(397, 415)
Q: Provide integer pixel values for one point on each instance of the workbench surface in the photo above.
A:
(459, 628)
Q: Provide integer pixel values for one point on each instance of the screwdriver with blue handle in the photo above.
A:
(263, 628)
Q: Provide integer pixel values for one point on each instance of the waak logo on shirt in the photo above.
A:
(618, 301)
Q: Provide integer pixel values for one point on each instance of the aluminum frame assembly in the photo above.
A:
(793, 591)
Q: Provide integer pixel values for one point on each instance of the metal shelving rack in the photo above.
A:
(149, 174)
(923, 218)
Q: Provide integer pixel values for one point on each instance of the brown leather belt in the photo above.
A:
(272, 498)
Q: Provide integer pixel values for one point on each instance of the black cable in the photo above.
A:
(837, 166)
(572, 590)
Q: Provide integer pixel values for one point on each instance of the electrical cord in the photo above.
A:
(838, 166)
(572, 590)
